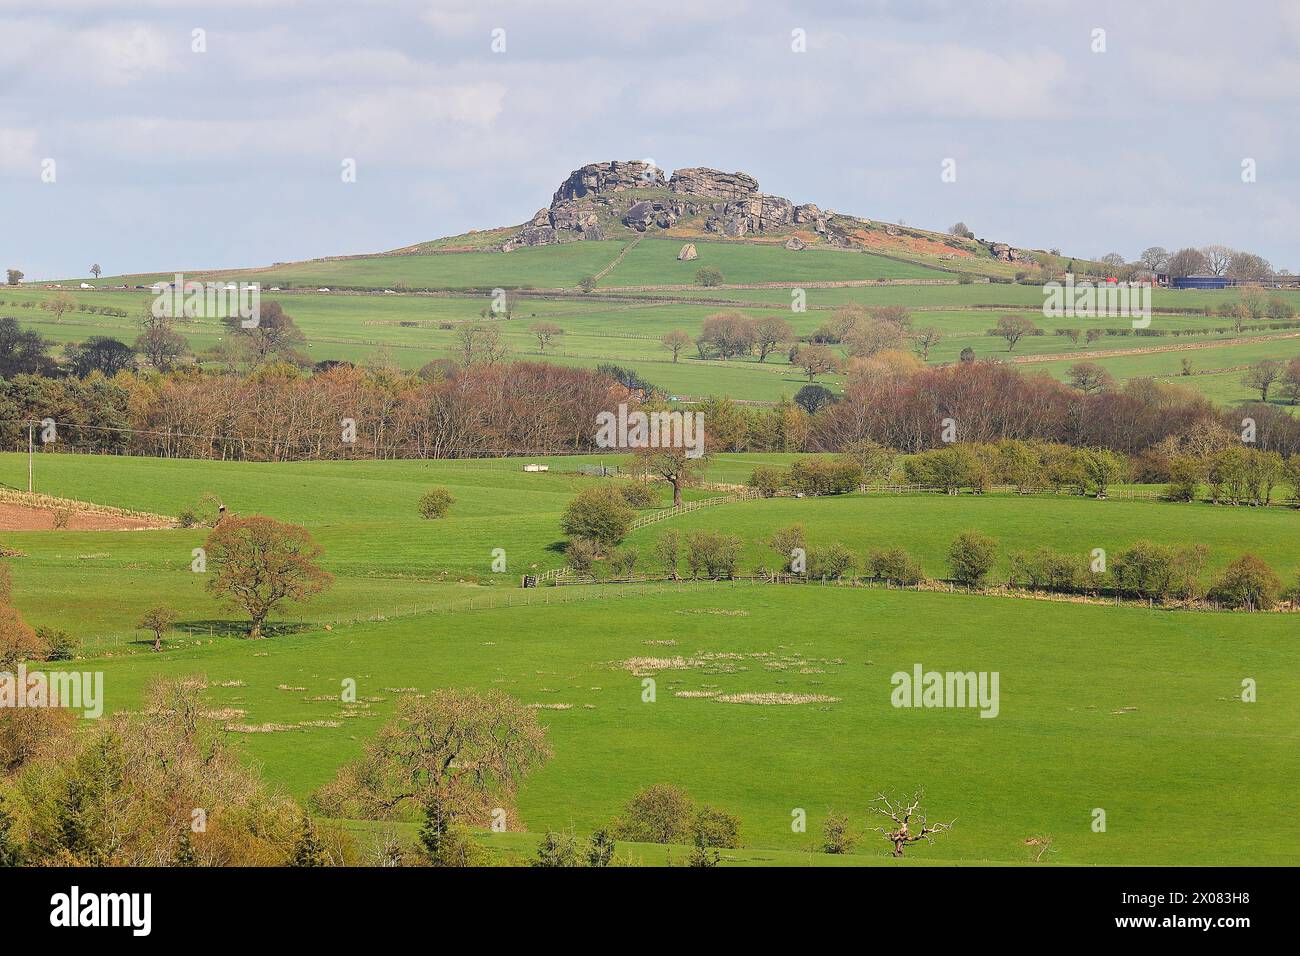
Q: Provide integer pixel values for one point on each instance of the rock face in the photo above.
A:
(610, 177)
(1000, 250)
(701, 181)
(730, 202)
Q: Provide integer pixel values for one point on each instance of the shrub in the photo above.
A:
(638, 494)
(836, 835)
(824, 476)
(622, 562)
(1151, 571)
(600, 848)
(833, 562)
(669, 550)
(1247, 583)
(711, 827)
(768, 480)
(1184, 478)
(557, 849)
(587, 283)
(658, 814)
(580, 554)
(785, 541)
(1046, 569)
(61, 645)
(436, 503)
(971, 557)
(896, 565)
(713, 552)
(600, 514)
(708, 276)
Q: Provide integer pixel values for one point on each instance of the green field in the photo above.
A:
(412, 330)
(1129, 710)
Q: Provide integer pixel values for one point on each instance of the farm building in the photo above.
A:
(1199, 282)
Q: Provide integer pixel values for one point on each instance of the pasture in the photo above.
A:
(1130, 710)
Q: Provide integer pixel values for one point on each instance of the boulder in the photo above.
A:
(795, 244)
(808, 212)
(688, 253)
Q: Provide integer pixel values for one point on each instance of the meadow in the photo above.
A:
(1131, 710)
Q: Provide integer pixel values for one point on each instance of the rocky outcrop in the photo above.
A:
(1007, 253)
(611, 177)
(701, 181)
(635, 194)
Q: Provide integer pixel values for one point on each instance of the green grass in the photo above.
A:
(1181, 753)
(926, 525)
(1067, 739)
(654, 262)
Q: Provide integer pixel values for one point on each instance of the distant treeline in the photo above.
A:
(279, 412)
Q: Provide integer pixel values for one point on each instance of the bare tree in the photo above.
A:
(769, 332)
(1262, 375)
(902, 830)
(1186, 262)
(815, 360)
(675, 341)
(1013, 328)
(544, 332)
(1217, 259)
(96, 271)
(925, 339)
(1155, 258)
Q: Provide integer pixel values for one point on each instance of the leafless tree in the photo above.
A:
(1217, 259)
(925, 339)
(907, 822)
(675, 341)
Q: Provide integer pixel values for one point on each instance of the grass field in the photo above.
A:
(1129, 710)
(411, 330)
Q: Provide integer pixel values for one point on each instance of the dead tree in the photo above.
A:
(907, 822)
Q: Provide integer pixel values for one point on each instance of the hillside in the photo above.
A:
(599, 210)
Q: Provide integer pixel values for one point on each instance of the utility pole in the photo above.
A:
(30, 427)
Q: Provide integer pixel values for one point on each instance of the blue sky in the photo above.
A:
(166, 158)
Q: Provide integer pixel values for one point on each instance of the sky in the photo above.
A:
(124, 143)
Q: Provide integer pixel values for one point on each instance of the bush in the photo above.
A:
(831, 562)
(638, 494)
(669, 550)
(1247, 583)
(1151, 571)
(824, 476)
(708, 276)
(785, 541)
(658, 814)
(587, 283)
(711, 827)
(1046, 569)
(61, 645)
(896, 565)
(836, 835)
(971, 557)
(436, 503)
(600, 514)
(557, 849)
(622, 562)
(713, 552)
(580, 554)
(600, 848)
(768, 480)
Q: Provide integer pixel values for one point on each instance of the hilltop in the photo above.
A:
(619, 199)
